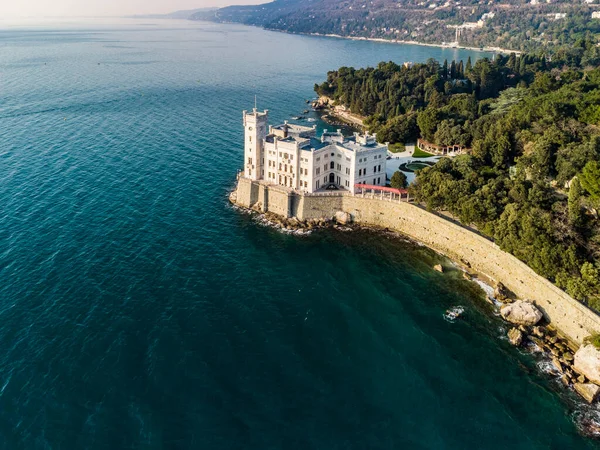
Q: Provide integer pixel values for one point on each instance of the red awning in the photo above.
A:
(381, 188)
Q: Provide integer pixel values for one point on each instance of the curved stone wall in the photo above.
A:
(574, 320)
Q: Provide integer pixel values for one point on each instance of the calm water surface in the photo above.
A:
(139, 311)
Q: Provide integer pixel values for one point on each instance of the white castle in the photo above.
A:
(292, 156)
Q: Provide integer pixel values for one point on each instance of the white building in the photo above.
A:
(292, 156)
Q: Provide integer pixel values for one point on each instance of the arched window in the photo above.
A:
(331, 165)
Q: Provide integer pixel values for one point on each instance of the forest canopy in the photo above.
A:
(531, 181)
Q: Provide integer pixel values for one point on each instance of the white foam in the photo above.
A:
(587, 420)
(454, 313)
(546, 366)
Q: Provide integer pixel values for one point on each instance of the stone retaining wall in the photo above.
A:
(574, 320)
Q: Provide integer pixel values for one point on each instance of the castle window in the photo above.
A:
(250, 138)
(332, 165)
(249, 160)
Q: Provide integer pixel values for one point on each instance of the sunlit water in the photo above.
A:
(138, 310)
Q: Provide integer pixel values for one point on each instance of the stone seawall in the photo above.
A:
(574, 320)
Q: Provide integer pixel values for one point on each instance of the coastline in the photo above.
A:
(553, 349)
(574, 320)
(404, 42)
(329, 109)
(387, 41)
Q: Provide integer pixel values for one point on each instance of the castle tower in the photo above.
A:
(255, 131)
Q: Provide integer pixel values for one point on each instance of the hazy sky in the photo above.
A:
(67, 8)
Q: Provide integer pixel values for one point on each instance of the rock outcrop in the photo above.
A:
(515, 336)
(439, 268)
(322, 103)
(588, 391)
(521, 313)
(587, 362)
(343, 218)
(501, 293)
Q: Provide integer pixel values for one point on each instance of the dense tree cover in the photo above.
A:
(438, 102)
(512, 24)
(532, 179)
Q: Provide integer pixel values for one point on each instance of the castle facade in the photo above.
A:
(291, 155)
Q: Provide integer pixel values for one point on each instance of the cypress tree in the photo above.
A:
(574, 204)
(512, 61)
(522, 65)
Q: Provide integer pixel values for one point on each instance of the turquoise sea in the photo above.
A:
(138, 310)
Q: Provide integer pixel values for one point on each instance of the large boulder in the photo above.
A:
(587, 362)
(515, 336)
(343, 218)
(521, 313)
(588, 391)
(501, 293)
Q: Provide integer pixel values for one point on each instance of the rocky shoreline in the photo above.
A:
(336, 114)
(577, 368)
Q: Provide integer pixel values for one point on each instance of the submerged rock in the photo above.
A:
(587, 362)
(515, 336)
(521, 313)
(588, 391)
